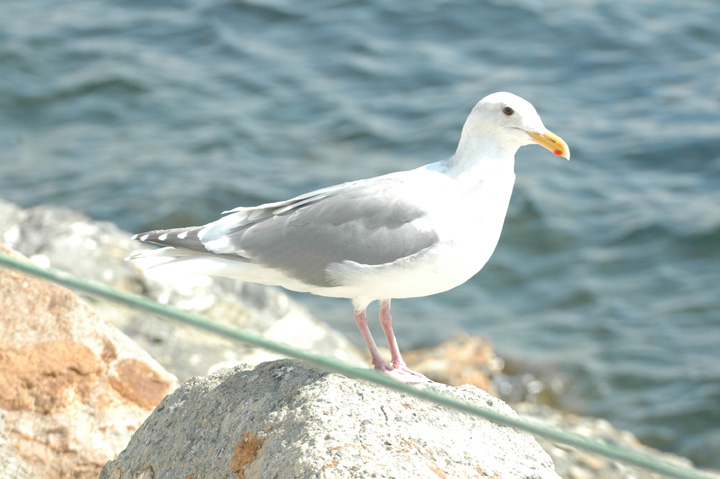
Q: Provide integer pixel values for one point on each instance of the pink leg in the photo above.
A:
(399, 370)
(386, 322)
(377, 360)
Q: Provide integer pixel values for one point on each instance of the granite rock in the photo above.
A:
(68, 240)
(72, 387)
(286, 420)
(573, 463)
(95, 250)
(461, 359)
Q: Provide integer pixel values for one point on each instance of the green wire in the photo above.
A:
(644, 460)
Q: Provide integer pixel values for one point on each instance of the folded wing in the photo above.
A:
(366, 222)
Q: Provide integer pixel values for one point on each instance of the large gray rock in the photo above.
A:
(285, 420)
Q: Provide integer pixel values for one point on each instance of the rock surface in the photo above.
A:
(72, 387)
(464, 359)
(70, 241)
(461, 359)
(572, 463)
(285, 420)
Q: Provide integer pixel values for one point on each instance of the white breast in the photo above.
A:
(468, 220)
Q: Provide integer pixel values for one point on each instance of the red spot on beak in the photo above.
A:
(557, 152)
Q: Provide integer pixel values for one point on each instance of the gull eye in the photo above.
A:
(508, 111)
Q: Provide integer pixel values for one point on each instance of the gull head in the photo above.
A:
(502, 122)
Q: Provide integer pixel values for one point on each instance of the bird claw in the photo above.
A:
(404, 374)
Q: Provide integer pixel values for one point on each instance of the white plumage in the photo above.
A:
(407, 234)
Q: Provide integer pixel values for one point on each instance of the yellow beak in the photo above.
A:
(552, 142)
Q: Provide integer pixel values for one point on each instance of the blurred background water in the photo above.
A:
(155, 114)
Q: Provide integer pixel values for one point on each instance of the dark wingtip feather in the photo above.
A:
(187, 238)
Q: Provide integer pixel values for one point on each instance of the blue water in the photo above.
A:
(157, 114)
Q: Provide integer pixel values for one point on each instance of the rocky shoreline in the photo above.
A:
(79, 376)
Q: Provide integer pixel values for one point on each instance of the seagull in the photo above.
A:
(401, 235)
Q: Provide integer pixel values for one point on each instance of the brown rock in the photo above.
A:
(244, 453)
(462, 359)
(72, 388)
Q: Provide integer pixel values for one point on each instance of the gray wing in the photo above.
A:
(367, 222)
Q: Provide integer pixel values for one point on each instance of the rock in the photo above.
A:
(466, 359)
(72, 387)
(462, 359)
(285, 420)
(70, 241)
(10, 214)
(572, 463)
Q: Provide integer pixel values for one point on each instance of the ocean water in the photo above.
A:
(155, 114)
